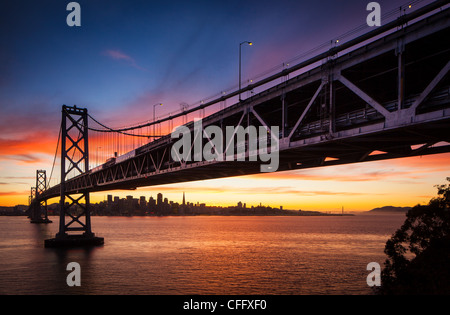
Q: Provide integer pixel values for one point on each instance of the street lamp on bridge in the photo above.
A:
(240, 45)
(154, 106)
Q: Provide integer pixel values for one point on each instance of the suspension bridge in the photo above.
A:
(381, 95)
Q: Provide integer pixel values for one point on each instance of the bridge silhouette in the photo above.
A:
(382, 95)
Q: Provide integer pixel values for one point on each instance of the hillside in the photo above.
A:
(389, 209)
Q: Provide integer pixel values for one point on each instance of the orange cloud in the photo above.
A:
(26, 148)
(277, 190)
(402, 168)
(14, 193)
(435, 162)
(25, 135)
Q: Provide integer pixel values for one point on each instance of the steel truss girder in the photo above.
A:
(38, 204)
(41, 186)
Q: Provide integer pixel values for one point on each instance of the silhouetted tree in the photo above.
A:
(419, 252)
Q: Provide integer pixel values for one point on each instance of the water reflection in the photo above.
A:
(200, 255)
(61, 257)
(41, 232)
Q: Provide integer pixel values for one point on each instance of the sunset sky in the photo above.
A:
(129, 55)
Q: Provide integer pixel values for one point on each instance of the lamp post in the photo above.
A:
(154, 106)
(240, 45)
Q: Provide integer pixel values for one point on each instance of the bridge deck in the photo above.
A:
(390, 95)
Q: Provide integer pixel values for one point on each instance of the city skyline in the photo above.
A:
(163, 206)
(160, 199)
(113, 205)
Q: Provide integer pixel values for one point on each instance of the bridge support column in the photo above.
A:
(38, 207)
(74, 159)
(284, 115)
(401, 73)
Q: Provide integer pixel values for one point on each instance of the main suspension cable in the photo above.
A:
(54, 158)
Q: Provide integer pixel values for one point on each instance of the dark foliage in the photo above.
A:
(419, 252)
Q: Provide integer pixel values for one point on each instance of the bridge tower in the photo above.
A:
(31, 201)
(32, 194)
(74, 162)
(38, 207)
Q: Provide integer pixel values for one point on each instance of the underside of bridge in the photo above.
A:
(387, 99)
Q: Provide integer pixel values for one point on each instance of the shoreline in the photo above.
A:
(211, 214)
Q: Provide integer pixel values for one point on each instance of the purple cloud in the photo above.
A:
(118, 55)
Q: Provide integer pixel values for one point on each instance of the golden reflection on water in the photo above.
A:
(205, 255)
(255, 255)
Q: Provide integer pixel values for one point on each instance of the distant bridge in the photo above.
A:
(383, 95)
